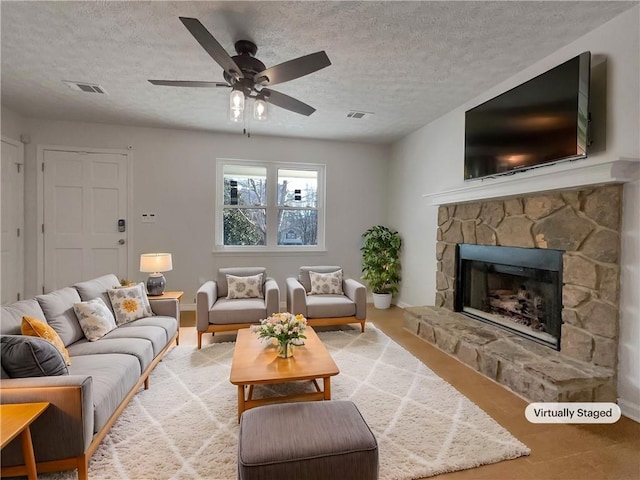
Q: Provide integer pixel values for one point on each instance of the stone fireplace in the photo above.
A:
(569, 357)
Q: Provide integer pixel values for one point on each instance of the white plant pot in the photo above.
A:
(382, 301)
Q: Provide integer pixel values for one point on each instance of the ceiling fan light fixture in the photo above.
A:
(260, 108)
(236, 105)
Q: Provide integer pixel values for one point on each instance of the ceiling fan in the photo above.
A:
(248, 76)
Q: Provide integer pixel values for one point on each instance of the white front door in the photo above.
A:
(85, 211)
(11, 243)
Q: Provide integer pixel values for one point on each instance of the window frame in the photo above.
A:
(271, 207)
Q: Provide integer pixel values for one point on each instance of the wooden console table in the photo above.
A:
(16, 419)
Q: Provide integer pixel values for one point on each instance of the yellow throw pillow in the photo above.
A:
(37, 328)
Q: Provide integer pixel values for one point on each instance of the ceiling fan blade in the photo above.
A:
(188, 83)
(298, 67)
(285, 101)
(211, 45)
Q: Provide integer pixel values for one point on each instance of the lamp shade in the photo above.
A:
(155, 262)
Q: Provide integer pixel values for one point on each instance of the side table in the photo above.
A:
(16, 419)
(176, 295)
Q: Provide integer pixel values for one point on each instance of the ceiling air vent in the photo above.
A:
(358, 114)
(86, 87)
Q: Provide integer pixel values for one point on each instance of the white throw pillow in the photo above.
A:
(95, 318)
(326, 283)
(244, 287)
(129, 303)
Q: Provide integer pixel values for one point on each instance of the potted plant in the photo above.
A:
(381, 263)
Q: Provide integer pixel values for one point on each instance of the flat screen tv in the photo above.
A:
(540, 122)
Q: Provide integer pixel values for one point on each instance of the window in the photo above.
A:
(269, 206)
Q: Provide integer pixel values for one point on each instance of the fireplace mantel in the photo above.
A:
(565, 175)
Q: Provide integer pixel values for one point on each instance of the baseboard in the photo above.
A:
(187, 307)
(629, 409)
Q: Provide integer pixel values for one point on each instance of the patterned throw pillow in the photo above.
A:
(95, 318)
(326, 283)
(244, 287)
(33, 327)
(129, 303)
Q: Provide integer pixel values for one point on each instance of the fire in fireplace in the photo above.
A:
(518, 289)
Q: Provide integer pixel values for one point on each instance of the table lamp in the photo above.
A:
(155, 264)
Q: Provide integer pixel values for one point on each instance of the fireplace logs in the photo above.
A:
(520, 306)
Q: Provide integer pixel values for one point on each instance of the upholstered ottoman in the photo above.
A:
(310, 440)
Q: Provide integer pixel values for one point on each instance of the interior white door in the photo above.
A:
(85, 198)
(12, 208)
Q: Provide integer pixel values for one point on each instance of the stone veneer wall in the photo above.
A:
(585, 223)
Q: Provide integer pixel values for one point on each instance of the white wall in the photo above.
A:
(174, 176)
(431, 160)
(12, 124)
(629, 347)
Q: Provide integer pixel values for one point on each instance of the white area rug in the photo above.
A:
(185, 426)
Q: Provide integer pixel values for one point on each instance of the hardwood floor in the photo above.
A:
(563, 452)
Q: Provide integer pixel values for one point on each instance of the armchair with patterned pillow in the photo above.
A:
(238, 298)
(325, 297)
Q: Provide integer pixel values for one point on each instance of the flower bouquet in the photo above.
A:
(285, 328)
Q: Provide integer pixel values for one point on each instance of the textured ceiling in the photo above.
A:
(407, 62)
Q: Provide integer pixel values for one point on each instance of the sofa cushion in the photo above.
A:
(138, 348)
(156, 335)
(248, 310)
(328, 306)
(113, 377)
(221, 279)
(95, 318)
(25, 356)
(37, 328)
(58, 310)
(305, 279)
(98, 288)
(129, 303)
(326, 283)
(168, 324)
(244, 287)
(11, 315)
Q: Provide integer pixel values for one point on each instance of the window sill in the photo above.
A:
(266, 251)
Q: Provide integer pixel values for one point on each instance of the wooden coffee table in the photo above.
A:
(256, 362)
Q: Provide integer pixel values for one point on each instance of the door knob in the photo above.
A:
(121, 241)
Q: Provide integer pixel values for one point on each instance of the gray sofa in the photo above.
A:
(102, 378)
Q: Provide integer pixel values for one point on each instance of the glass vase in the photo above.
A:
(285, 349)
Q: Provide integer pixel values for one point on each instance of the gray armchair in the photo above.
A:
(327, 309)
(216, 311)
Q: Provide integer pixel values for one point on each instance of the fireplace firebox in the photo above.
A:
(517, 289)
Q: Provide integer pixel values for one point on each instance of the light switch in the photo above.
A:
(148, 218)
